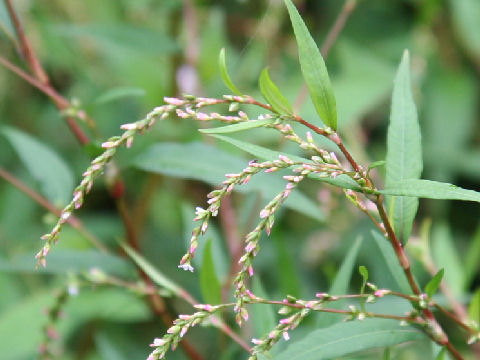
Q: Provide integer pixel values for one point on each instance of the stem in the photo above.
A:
(332, 36)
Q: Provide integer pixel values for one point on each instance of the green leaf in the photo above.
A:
(259, 151)
(314, 70)
(252, 124)
(345, 338)
(391, 261)
(441, 354)
(263, 315)
(465, 14)
(445, 253)
(209, 284)
(474, 307)
(376, 164)
(118, 93)
(152, 272)
(46, 166)
(404, 150)
(432, 286)
(272, 94)
(224, 73)
(70, 261)
(472, 258)
(176, 160)
(341, 283)
(364, 272)
(430, 190)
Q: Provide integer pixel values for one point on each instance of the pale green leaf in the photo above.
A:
(247, 125)
(153, 273)
(209, 283)
(314, 70)
(224, 73)
(432, 286)
(445, 254)
(341, 283)
(259, 151)
(272, 94)
(472, 258)
(391, 260)
(430, 190)
(46, 166)
(404, 150)
(346, 338)
(118, 93)
(474, 307)
(465, 14)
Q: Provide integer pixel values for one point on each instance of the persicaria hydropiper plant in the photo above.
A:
(400, 197)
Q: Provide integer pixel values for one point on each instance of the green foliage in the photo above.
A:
(209, 283)
(404, 150)
(346, 338)
(433, 285)
(314, 70)
(224, 73)
(272, 94)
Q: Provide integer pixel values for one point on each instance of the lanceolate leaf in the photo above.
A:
(345, 338)
(224, 73)
(272, 94)
(404, 151)
(314, 70)
(432, 286)
(209, 283)
(252, 124)
(45, 165)
(430, 190)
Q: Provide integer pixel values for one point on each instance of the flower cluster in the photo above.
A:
(179, 328)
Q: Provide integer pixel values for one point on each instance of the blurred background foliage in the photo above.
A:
(117, 60)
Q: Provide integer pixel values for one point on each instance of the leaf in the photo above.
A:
(153, 273)
(432, 286)
(341, 283)
(46, 166)
(465, 14)
(272, 94)
(391, 261)
(209, 283)
(70, 261)
(472, 258)
(251, 124)
(441, 354)
(259, 151)
(118, 93)
(430, 190)
(224, 73)
(364, 272)
(445, 253)
(176, 160)
(376, 164)
(314, 70)
(404, 150)
(474, 307)
(345, 338)
(263, 315)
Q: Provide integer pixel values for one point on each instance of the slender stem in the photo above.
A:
(332, 36)
(39, 199)
(26, 49)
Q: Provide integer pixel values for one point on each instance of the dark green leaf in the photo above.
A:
(430, 190)
(224, 73)
(404, 150)
(345, 338)
(252, 124)
(54, 176)
(472, 258)
(314, 70)
(272, 94)
(211, 288)
(432, 286)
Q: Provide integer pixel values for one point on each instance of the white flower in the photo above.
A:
(186, 267)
